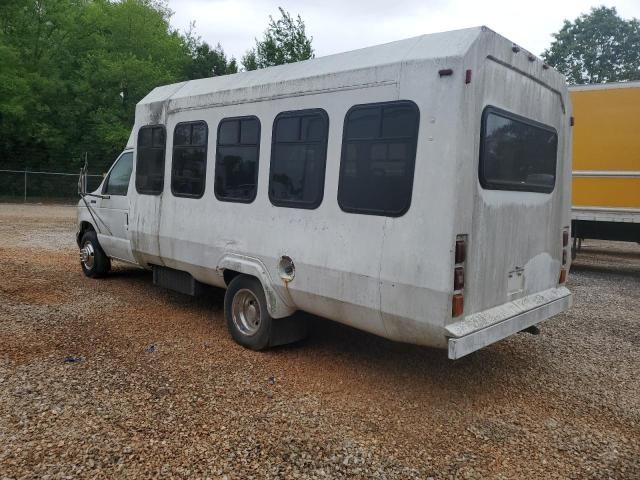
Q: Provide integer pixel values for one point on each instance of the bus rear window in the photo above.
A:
(516, 153)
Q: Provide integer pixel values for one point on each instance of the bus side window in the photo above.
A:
(189, 164)
(150, 160)
(298, 158)
(237, 154)
(378, 158)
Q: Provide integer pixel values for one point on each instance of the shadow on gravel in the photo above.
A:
(398, 363)
(127, 271)
(631, 271)
(633, 255)
(341, 349)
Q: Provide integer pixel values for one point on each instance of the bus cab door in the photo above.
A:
(113, 210)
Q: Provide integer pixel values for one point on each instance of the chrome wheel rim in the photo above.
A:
(245, 311)
(87, 255)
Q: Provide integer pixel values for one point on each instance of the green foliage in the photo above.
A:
(597, 47)
(209, 62)
(72, 72)
(249, 61)
(284, 41)
(206, 61)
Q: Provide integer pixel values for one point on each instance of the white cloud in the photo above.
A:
(341, 25)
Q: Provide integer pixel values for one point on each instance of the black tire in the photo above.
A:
(247, 291)
(101, 264)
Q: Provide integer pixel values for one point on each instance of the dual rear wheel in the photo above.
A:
(245, 309)
(249, 321)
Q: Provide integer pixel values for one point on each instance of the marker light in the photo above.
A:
(457, 305)
(461, 251)
(458, 278)
(563, 276)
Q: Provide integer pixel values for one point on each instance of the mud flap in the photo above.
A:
(177, 280)
(289, 329)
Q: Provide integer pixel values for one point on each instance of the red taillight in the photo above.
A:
(458, 278)
(457, 301)
(457, 305)
(565, 255)
(461, 251)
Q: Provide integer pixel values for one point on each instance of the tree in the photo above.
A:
(204, 60)
(598, 47)
(72, 72)
(249, 60)
(209, 62)
(285, 41)
(121, 51)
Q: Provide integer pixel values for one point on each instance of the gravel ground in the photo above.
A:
(117, 378)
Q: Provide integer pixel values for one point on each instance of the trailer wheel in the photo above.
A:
(93, 260)
(245, 309)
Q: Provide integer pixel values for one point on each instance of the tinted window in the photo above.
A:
(517, 153)
(118, 181)
(363, 122)
(298, 158)
(150, 160)
(378, 158)
(189, 167)
(228, 132)
(237, 155)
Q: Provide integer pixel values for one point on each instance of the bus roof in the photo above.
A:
(424, 47)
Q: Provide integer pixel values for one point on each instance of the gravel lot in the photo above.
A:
(160, 390)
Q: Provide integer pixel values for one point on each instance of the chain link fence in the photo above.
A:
(42, 187)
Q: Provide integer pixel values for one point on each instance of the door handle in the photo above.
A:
(92, 201)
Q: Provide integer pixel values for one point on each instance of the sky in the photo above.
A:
(342, 25)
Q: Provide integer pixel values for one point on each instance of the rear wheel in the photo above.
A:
(245, 309)
(93, 260)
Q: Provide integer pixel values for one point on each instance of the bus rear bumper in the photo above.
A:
(484, 328)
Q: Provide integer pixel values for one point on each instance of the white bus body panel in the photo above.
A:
(389, 276)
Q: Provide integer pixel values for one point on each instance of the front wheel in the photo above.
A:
(93, 260)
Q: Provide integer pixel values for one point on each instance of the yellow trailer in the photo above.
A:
(606, 161)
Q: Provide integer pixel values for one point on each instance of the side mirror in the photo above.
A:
(82, 180)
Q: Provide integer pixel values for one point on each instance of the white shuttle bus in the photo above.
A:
(418, 190)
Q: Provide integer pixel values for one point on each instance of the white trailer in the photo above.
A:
(418, 190)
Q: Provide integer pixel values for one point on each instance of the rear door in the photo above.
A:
(114, 210)
(518, 206)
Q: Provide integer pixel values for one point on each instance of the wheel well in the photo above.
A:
(229, 275)
(84, 227)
